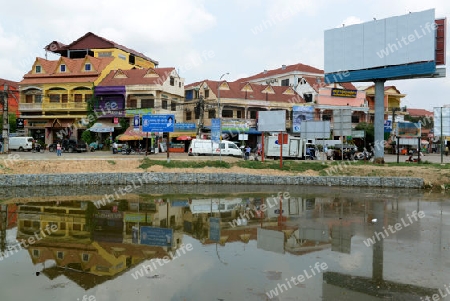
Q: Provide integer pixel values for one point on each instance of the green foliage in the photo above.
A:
(11, 120)
(87, 137)
(369, 129)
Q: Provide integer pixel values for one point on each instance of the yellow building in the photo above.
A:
(54, 94)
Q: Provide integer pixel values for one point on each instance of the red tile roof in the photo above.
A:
(91, 40)
(288, 69)
(137, 77)
(419, 112)
(75, 71)
(257, 93)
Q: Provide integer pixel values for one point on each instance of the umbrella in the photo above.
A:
(184, 138)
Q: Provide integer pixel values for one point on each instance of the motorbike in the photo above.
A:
(37, 148)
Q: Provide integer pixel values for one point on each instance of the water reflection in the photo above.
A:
(246, 246)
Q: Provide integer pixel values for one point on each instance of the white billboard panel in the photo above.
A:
(342, 122)
(272, 121)
(312, 129)
(392, 41)
(445, 113)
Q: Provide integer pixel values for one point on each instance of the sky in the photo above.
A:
(207, 39)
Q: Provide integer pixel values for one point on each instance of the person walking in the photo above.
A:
(247, 152)
(58, 149)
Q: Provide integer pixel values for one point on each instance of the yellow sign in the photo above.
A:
(343, 93)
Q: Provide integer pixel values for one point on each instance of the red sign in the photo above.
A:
(116, 120)
(283, 138)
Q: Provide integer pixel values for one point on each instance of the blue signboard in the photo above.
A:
(215, 130)
(136, 121)
(154, 236)
(185, 126)
(214, 229)
(387, 126)
(158, 123)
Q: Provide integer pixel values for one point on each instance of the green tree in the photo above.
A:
(12, 122)
(368, 128)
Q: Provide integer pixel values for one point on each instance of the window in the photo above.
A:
(28, 98)
(326, 117)
(132, 103)
(37, 69)
(211, 114)
(188, 115)
(78, 98)
(85, 257)
(60, 255)
(77, 227)
(206, 93)
(62, 68)
(253, 114)
(227, 113)
(239, 114)
(147, 103)
(87, 97)
(285, 82)
(64, 98)
(38, 98)
(308, 97)
(87, 67)
(164, 104)
(105, 54)
(36, 253)
(173, 106)
(54, 97)
(355, 119)
(172, 81)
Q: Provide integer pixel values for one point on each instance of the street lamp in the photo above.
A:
(219, 113)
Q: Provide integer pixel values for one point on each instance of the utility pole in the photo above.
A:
(5, 132)
(201, 109)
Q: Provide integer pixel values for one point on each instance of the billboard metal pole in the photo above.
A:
(442, 142)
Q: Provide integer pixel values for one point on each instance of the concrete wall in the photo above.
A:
(135, 180)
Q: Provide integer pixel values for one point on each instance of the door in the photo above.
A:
(293, 147)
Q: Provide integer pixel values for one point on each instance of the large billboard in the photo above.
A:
(392, 48)
(299, 114)
(272, 121)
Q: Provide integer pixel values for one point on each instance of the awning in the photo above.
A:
(104, 127)
(178, 134)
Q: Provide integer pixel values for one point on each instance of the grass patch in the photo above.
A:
(112, 162)
(147, 163)
(288, 165)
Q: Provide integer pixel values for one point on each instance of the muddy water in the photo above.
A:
(224, 243)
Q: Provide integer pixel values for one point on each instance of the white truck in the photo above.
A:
(295, 148)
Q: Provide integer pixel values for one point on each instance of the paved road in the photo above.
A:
(434, 158)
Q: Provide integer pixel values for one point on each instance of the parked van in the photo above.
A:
(205, 147)
(20, 143)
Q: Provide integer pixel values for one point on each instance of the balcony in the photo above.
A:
(73, 106)
(26, 107)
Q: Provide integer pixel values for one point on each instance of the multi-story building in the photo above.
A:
(127, 93)
(309, 83)
(54, 94)
(237, 104)
(13, 96)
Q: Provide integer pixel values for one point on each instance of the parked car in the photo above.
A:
(21, 143)
(70, 145)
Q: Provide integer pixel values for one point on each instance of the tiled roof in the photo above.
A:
(90, 41)
(75, 70)
(10, 83)
(419, 112)
(256, 93)
(287, 69)
(137, 77)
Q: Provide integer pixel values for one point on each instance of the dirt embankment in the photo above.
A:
(433, 177)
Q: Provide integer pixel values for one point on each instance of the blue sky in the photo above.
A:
(205, 39)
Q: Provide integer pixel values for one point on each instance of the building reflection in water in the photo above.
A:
(104, 243)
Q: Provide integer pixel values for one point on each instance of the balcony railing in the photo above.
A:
(30, 106)
(52, 106)
(64, 106)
